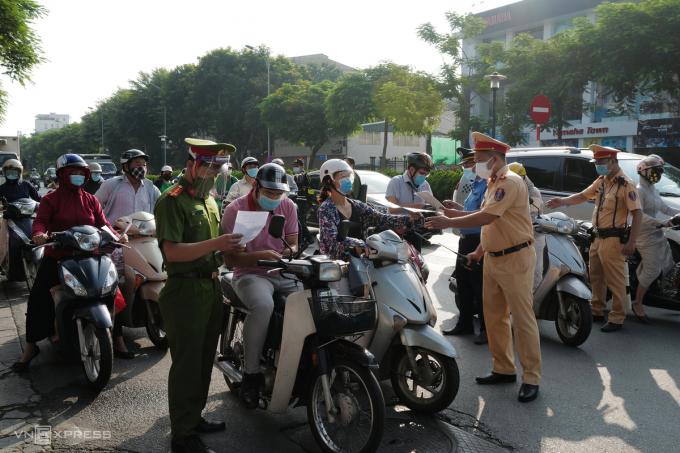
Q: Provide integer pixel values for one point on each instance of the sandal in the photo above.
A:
(23, 366)
(642, 318)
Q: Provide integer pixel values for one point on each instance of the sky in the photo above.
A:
(94, 47)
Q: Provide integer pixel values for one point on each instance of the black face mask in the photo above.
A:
(138, 172)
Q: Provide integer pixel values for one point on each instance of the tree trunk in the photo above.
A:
(383, 161)
(315, 149)
(428, 143)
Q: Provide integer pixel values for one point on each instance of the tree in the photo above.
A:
(350, 102)
(297, 113)
(19, 45)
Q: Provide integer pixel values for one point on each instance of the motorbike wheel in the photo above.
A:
(231, 347)
(99, 361)
(154, 327)
(574, 320)
(431, 393)
(357, 426)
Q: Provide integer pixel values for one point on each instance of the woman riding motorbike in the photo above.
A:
(336, 183)
(15, 187)
(67, 206)
(651, 244)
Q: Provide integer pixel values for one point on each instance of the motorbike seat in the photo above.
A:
(227, 281)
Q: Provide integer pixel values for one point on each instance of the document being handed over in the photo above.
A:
(249, 224)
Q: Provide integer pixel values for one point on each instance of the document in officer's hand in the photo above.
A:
(249, 224)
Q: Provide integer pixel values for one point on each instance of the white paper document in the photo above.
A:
(430, 199)
(389, 204)
(250, 224)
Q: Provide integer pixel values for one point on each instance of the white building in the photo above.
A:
(650, 127)
(46, 121)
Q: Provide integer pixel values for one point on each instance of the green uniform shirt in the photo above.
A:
(182, 218)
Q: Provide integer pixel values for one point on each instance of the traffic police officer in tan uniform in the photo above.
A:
(189, 234)
(509, 260)
(615, 198)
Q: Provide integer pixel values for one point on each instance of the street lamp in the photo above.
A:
(269, 148)
(164, 137)
(495, 80)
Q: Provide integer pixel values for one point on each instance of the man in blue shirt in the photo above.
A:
(468, 278)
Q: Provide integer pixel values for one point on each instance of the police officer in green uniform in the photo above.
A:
(189, 234)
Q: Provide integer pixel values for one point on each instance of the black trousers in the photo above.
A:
(40, 306)
(470, 282)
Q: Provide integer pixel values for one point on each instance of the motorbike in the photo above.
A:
(84, 299)
(310, 357)
(143, 277)
(416, 358)
(19, 259)
(561, 292)
(35, 181)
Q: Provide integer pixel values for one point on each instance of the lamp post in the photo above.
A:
(164, 137)
(495, 81)
(269, 148)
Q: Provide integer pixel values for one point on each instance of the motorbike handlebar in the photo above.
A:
(270, 263)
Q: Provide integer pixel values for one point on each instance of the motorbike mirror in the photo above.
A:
(276, 226)
(349, 229)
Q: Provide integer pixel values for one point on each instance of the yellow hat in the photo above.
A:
(517, 168)
(482, 142)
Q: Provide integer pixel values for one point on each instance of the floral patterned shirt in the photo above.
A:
(330, 218)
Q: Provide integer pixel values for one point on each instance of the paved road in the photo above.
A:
(618, 392)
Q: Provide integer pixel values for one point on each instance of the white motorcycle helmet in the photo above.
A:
(332, 166)
(651, 168)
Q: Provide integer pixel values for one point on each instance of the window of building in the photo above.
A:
(405, 140)
(369, 138)
(536, 32)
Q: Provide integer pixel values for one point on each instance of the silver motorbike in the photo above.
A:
(418, 360)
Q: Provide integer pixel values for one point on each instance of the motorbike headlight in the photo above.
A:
(88, 242)
(567, 227)
(27, 209)
(330, 271)
(111, 280)
(145, 227)
(72, 282)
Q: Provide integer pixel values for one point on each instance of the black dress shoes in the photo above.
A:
(527, 392)
(611, 327)
(250, 389)
(189, 444)
(496, 378)
(460, 329)
(206, 427)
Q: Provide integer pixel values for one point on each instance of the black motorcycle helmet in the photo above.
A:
(419, 160)
(132, 154)
(272, 176)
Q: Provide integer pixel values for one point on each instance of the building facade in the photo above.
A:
(650, 126)
(46, 121)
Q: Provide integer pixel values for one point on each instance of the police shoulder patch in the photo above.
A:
(632, 195)
(174, 192)
(499, 195)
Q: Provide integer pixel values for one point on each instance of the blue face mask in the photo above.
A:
(345, 186)
(96, 177)
(77, 180)
(602, 170)
(252, 172)
(267, 203)
(419, 180)
(12, 175)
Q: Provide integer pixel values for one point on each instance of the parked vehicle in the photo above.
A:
(84, 300)
(109, 169)
(144, 277)
(309, 357)
(561, 290)
(19, 261)
(418, 360)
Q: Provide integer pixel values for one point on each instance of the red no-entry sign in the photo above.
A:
(540, 112)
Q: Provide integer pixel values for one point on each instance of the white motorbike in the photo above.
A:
(418, 360)
(19, 260)
(309, 357)
(144, 277)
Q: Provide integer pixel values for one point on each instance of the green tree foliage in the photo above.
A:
(350, 102)
(19, 45)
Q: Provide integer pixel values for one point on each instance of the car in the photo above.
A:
(109, 169)
(564, 171)
(376, 185)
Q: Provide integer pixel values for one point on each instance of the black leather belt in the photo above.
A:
(201, 275)
(608, 232)
(509, 250)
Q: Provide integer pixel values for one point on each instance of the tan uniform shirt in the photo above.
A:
(506, 197)
(614, 199)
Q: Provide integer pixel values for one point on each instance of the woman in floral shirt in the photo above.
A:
(336, 181)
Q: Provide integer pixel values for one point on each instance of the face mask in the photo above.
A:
(77, 180)
(602, 170)
(96, 177)
(252, 172)
(482, 169)
(268, 204)
(297, 170)
(12, 175)
(345, 186)
(138, 172)
(468, 173)
(419, 180)
(654, 175)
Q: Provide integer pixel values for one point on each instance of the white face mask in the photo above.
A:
(482, 169)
